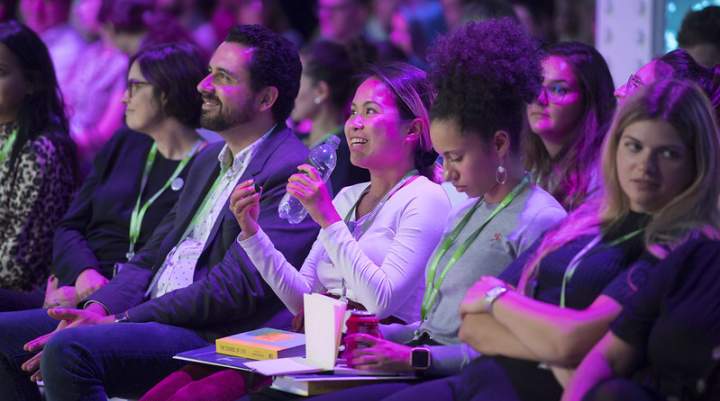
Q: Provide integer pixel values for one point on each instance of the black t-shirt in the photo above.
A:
(674, 320)
(615, 271)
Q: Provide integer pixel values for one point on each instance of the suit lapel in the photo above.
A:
(257, 163)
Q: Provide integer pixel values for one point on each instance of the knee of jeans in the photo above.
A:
(63, 349)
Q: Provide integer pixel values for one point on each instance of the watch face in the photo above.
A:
(420, 358)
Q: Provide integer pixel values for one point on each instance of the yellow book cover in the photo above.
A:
(261, 344)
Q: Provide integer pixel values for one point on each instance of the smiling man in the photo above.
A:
(192, 283)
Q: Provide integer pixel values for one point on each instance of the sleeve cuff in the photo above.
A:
(253, 241)
(90, 302)
(333, 230)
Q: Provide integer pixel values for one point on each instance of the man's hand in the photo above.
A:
(372, 353)
(89, 281)
(63, 296)
(68, 318)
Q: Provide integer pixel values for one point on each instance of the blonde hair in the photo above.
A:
(684, 106)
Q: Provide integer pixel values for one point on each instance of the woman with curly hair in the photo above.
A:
(479, 70)
(568, 121)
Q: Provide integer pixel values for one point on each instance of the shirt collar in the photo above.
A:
(235, 164)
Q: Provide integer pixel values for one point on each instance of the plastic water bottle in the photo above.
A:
(323, 157)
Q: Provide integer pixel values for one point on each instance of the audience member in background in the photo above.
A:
(269, 13)
(548, 308)
(37, 158)
(700, 35)
(669, 328)
(414, 27)
(677, 64)
(194, 16)
(568, 121)
(342, 20)
(326, 87)
(134, 24)
(191, 282)
(8, 10)
(51, 21)
(538, 18)
(379, 23)
(99, 81)
(507, 212)
(376, 254)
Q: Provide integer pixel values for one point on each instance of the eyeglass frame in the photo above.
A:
(133, 85)
(555, 98)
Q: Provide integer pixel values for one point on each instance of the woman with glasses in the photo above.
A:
(135, 179)
(37, 162)
(677, 64)
(568, 121)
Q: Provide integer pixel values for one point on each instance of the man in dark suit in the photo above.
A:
(192, 282)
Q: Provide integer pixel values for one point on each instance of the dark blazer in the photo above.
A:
(94, 231)
(228, 294)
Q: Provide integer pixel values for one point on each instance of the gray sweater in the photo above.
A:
(512, 231)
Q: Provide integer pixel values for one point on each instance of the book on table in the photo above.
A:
(261, 344)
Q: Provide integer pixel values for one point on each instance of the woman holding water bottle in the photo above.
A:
(375, 237)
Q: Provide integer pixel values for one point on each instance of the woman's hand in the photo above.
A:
(372, 353)
(245, 206)
(59, 296)
(89, 281)
(474, 301)
(310, 189)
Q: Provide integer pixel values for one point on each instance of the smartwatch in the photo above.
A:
(420, 358)
(492, 295)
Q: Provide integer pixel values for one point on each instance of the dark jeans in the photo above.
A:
(14, 300)
(620, 389)
(482, 380)
(17, 328)
(92, 362)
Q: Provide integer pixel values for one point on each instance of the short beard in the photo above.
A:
(222, 122)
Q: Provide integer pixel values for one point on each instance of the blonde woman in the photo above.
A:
(643, 327)
(547, 309)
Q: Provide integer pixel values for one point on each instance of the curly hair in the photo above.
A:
(485, 74)
(275, 62)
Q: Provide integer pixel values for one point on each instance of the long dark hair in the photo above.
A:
(575, 165)
(42, 110)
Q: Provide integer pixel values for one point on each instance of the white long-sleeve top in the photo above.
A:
(384, 270)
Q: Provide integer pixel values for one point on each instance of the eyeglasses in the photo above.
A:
(134, 85)
(554, 92)
(633, 83)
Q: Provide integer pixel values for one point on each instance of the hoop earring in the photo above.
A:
(501, 175)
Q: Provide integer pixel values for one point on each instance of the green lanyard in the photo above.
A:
(575, 262)
(7, 146)
(367, 222)
(432, 287)
(138, 212)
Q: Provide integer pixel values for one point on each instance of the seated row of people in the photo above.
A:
(217, 263)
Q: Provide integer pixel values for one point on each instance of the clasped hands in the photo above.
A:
(69, 318)
(89, 281)
(307, 186)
